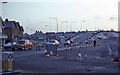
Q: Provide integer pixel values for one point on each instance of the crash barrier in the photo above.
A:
(7, 61)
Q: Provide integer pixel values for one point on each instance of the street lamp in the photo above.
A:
(113, 19)
(80, 26)
(29, 29)
(95, 24)
(56, 21)
(71, 25)
(4, 2)
(107, 26)
(49, 26)
(83, 21)
(1, 5)
(64, 22)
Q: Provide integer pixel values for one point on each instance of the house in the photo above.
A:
(50, 35)
(21, 32)
(38, 35)
(13, 30)
(3, 36)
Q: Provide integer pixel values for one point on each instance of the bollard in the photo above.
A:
(7, 61)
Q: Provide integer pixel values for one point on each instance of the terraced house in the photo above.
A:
(13, 30)
(3, 36)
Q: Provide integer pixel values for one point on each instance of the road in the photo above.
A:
(94, 59)
(36, 62)
(82, 37)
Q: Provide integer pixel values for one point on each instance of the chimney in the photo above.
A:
(6, 19)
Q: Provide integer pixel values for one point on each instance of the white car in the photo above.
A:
(53, 42)
(8, 45)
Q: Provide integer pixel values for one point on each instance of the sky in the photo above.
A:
(72, 15)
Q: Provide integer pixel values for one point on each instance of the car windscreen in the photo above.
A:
(20, 42)
(52, 41)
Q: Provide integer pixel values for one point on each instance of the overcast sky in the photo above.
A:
(72, 14)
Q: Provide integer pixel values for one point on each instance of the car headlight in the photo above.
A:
(14, 43)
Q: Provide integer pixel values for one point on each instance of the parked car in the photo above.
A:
(22, 45)
(8, 45)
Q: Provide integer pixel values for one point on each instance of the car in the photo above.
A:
(22, 45)
(8, 45)
(51, 47)
(53, 42)
(68, 42)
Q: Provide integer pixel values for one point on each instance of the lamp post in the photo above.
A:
(29, 29)
(112, 19)
(1, 4)
(95, 24)
(61, 26)
(107, 22)
(83, 21)
(4, 2)
(64, 23)
(49, 26)
(71, 25)
(80, 26)
(56, 21)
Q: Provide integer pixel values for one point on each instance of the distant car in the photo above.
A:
(68, 42)
(44, 44)
(53, 42)
(8, 45)
(22, 45)
(51, 47)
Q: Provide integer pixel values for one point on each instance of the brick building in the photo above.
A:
(13, 30)
(3, 36)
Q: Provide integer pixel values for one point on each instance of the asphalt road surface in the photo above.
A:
(93, 59)
(36, 62)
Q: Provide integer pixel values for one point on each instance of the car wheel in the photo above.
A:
(30, 48)
(13, 49)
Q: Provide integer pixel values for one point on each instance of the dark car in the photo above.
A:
(51, 47)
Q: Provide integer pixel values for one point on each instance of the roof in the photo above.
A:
(13, 24)
(9, 23)
(1, 23)
(21, 28)
(17, 25)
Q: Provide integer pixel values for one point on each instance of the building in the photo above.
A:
(50, 35)
(13, 30)
(37, 35)
(3, 36)
(21, 32)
